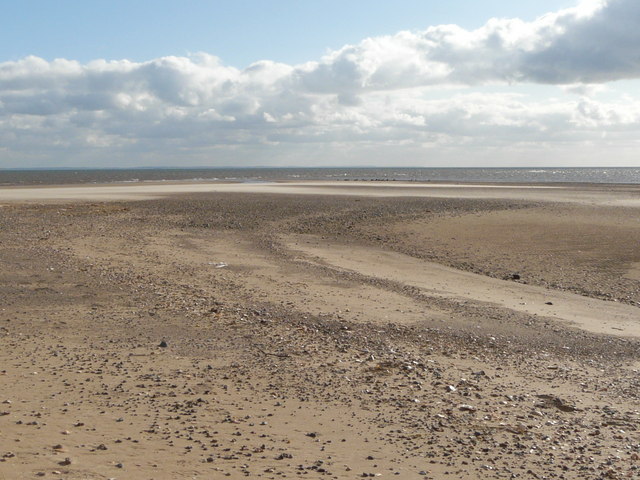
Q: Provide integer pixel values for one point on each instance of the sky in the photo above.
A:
(420, 83)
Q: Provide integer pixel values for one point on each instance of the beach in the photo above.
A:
(319, 330)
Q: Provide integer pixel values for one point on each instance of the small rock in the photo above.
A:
(163, 344)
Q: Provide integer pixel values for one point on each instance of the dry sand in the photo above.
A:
(433, 279)
(355, 331)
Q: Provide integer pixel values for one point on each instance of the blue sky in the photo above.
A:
(240, 32)
(302, 83)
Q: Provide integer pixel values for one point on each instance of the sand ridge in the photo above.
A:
(593, 315)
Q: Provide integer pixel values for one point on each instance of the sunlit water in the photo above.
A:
(491, 175)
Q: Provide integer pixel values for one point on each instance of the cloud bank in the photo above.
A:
(436, 96)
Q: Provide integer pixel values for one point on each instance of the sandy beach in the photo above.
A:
(319, 330)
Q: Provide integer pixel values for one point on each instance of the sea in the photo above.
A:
(621, 175)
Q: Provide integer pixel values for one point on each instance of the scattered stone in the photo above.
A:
(466, 408)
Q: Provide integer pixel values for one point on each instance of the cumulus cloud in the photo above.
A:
(380, 91)
(594, 42)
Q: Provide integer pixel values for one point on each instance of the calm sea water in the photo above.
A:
(497, 175)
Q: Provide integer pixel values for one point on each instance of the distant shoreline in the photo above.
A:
(492, 175)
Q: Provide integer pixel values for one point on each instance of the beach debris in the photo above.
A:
(163, 344)
(551, 401)
(65, 462)
(218, 264)
(279, 355)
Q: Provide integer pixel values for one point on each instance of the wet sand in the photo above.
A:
(319, 331)
(626, 195)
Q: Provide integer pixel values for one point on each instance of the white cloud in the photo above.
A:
(585, 90)
(378, 92)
